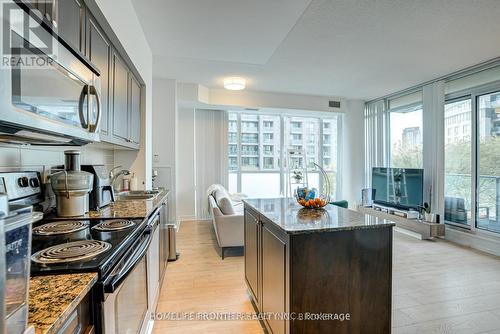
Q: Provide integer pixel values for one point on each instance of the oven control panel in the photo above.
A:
(20, 184)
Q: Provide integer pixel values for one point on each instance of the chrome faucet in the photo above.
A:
(114, 176)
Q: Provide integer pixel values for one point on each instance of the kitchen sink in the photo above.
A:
(143, 192)
(126, 197)
(138, 195)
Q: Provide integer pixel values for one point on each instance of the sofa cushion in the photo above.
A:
(238, 208)
(224, 202)
(215, 211)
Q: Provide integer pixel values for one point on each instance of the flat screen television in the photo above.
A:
(401, 188)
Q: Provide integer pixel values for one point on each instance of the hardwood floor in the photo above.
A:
(438, 287)
(199, 281)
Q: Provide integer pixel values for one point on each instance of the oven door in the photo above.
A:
(52, 91)
(125, 307)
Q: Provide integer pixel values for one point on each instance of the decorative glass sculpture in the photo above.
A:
(311, 198)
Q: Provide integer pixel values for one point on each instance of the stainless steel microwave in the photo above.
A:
(49, 93)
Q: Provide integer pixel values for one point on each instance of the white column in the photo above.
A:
(433, 145)
(185, 164)
(163, 130)
(353, 151)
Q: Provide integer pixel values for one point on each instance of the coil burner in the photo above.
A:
(114, 225)
(61, 227)
(71, 252)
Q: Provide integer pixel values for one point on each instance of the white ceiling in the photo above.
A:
(349, 48)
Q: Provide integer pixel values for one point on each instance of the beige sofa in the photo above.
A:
(227, 218)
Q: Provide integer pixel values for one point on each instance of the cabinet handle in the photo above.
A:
(83, 94)
(94, 127)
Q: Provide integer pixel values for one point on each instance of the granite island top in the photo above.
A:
(292, 218)
(53, 298)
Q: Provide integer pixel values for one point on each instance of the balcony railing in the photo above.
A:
(457, 200)
(249, 140)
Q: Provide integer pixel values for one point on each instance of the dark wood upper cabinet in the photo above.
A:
(120, 90)
(70, 18)
(135, 110)
(99, 53)
(120, 99)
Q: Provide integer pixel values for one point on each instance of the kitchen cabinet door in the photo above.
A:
(273, 279)
(120, 99)
(135, 111)
(252, 231)
(70, 18)
(99, 53)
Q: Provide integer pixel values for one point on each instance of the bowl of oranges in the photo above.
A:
(310, 199)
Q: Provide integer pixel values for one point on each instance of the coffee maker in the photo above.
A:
(102, 192)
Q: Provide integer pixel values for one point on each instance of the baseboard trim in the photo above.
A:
(185, 218)
(408, 233)
(478, 241)
(194, 219)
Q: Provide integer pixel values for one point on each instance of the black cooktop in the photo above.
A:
(116, 244)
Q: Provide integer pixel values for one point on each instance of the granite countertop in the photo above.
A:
(140, 208)
(292, 218)
(53, 298)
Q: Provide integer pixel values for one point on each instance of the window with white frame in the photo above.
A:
(405, 131)
(257, 145)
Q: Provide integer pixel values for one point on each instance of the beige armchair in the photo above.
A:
(227, 218)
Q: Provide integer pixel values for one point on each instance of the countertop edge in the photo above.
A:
(71, 307)
(55, 326)
(322, 230)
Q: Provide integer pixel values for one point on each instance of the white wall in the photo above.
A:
(122, 18)
(164, 137)
(353, 141)
(185, 165)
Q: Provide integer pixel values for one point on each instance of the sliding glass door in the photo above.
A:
(458, 161)
(472, 159)
(488, 162)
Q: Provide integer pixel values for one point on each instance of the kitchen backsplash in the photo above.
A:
(43, 158)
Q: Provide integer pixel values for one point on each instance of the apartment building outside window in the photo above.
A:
(268, 137)
(268, 149)
(268, 125)
(264, 140)
(405, 140)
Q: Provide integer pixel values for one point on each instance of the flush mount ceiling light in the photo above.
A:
(234, 83)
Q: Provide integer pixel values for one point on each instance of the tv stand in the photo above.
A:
(418, 227)
(408, 214)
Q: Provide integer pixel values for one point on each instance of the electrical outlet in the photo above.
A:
(156, 158)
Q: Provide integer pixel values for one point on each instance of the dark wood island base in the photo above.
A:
(319, 271)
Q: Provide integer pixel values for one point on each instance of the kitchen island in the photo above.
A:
(317, 270)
